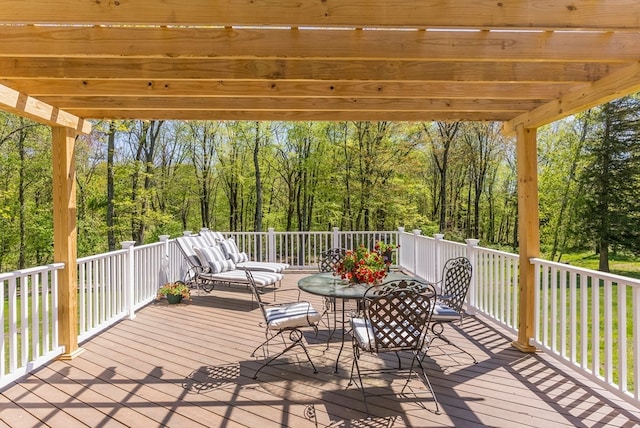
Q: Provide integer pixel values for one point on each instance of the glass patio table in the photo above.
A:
(332, 287)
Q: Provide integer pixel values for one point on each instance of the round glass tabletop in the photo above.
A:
(329, 285)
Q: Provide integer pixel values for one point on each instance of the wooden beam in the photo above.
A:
(528, 232)
(586, 14)
(305, 116)
(292, 104)
(64, 237)
(24, 105)
(295, 69)
(153, 42)
(291, 89)
(615, 85)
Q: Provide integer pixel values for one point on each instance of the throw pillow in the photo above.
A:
(214, 259)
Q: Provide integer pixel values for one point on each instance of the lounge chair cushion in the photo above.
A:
(214, 258)
(239, 257)
(231, 251)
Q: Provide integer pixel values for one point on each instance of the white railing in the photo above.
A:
(494, 284)
(494, 289)
(302, 250)
(28, 295)
(111, 286)
(581, 318)
(581, 315)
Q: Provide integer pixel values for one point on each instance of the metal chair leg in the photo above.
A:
(437, 329)
(296, 340)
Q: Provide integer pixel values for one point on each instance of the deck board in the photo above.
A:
(189, 365)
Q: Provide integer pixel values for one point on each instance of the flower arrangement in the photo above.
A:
(385, 250)
(364, 266)
(175, 289)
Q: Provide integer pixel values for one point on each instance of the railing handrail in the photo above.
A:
(30, 271)
(576, 269)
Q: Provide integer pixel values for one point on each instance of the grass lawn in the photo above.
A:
(619, 264)
(624, 265)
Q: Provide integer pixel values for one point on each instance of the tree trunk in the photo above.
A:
(111, 143)
(257, 219)
(21, 198)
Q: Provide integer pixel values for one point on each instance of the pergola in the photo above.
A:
(525, 63)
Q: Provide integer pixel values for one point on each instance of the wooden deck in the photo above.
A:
(189, 365)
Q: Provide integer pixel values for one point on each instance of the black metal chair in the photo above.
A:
(453, 289)
(330, 258)
(395, 318)
(281, 318)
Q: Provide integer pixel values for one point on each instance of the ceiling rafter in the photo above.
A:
(544, 14)
(606, 89)
(520, 61)
(206, 43)
(24, 105)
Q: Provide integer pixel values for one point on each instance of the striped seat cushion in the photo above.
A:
(299, 314)
(214, 258)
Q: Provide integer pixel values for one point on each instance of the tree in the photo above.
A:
(611, 210)
(484, 143)
(441, 144)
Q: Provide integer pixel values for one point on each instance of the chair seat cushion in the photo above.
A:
(292, 315)
(363, 333)
(443, 313)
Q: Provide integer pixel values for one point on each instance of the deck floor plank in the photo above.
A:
(189, 365)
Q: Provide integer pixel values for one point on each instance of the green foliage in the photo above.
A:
(609, 205)
(175, 176)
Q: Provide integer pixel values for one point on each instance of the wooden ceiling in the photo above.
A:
(522, 62)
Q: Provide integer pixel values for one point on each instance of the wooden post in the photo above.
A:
(528, 231)
(65, 238)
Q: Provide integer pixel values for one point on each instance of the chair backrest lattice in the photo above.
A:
(399, 313)
(456, 279)
(330, 258)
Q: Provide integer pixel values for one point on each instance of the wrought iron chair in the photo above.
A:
(282, 318)
(330, 258)
(395, 318)
(453, 289)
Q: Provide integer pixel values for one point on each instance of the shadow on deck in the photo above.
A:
(188, 365)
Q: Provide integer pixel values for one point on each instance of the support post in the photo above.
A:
(165, 276)
(472, 255)
(399, 259)
(437, 255)
(416, 233)
(528, 232)
(65, 238)
(335, 238)
(271, 244)
(129, 286)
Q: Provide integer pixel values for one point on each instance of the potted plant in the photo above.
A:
(385, 250)
(174, 292)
